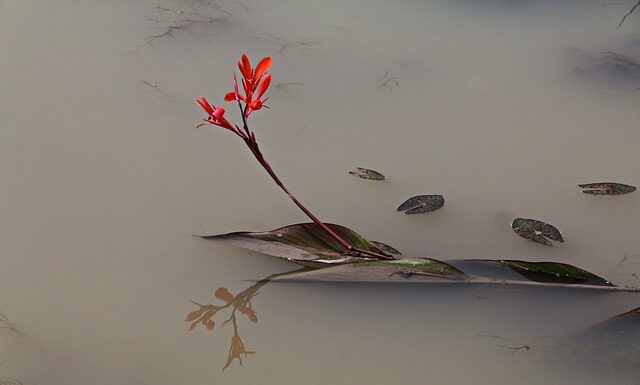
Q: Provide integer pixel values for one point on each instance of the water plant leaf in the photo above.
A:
(421, 204)
(304, 243)
(607, 188)
(504, 273)
(400, 270)
(614, 342)
(366, 173)
(386, 248)
(536, 231)
(555, 272)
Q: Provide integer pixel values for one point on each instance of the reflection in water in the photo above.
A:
(6, 324)
(238, 303)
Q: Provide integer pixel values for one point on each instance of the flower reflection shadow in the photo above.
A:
(240, 303)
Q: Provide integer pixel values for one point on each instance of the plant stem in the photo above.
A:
(253, 146)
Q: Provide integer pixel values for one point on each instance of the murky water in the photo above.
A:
(503, 107)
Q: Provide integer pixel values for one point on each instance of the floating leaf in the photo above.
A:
(422, 204)
(555, 272)
(460, 272)
(401, 270)
(366, 173)
(304, 243)
(536, 231)
(607, 188)
(386, 248)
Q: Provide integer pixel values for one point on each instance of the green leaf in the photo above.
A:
(504, 273)
(424, 270)
(420, 204)
(366, 173)
(536, 231)
(386, 248)
(607, 188)
(554, 272)
(304, 243)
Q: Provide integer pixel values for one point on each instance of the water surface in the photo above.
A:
(503, 107)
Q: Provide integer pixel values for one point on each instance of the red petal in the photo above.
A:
(218, 113)
(264, 65)
(264, 84)
(247, 73)
(230, 96)
(204, 104)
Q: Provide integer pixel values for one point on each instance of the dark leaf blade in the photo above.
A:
(420, 204)
(303, 242)
(427, 271)
(366, 173)
(551, 232)
(536, 231)
(386, 248)
(555, 272)
(614, 342)
(607, 188)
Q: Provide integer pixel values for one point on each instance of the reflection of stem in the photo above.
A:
(242, 303)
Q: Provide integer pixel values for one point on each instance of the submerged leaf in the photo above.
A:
(366, 173)
(607, 188)
(422, 204)
(555, 272)
(386, 248)
(614, 342)
(536, 231)
(303, 243)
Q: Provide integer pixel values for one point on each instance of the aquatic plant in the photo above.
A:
(255, 82)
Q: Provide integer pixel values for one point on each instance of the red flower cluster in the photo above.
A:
(255, 83)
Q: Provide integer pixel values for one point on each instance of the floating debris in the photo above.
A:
(536, 231)
(607, 188)
(386, 248)
(422, 204)
(366, 173)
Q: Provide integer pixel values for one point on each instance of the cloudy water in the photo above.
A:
(503, 107)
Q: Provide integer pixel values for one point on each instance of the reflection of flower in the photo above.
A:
(237, 347)
(241, 303)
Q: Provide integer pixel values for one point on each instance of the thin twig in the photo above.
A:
(628, 14)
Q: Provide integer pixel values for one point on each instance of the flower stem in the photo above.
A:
(253, 146)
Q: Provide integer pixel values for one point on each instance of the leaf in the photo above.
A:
(366, 173)
(536, 231)
(555, 272)
(303, 243)
(613, 342)
(422, 204)
(400, 270)
(607, 188)
(386, 248)
(504, 273)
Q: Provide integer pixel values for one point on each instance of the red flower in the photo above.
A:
(252, 81)
(216, 115)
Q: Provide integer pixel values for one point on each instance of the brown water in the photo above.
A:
(501, 106)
